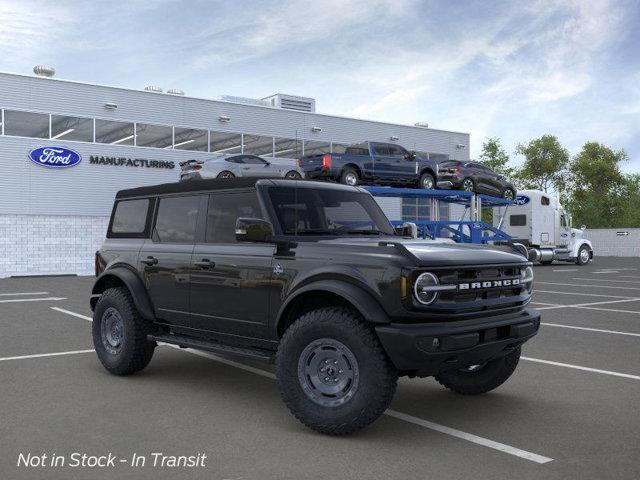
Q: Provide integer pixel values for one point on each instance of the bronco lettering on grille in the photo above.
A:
(511, 282)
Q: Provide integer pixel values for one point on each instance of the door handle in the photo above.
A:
(149, 260)
(205, 263)
(246, 168)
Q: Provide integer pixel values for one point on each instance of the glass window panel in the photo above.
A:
(72, 128)
(26, 124)
(176, 221)
(288, 148)
(157, 136)
(190, 139)
(258, 145)
(115, 133)
(338, 147)
(130, 216)
(312, 147)
(224, 142)
(224, 210)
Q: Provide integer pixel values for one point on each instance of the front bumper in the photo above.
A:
(427, 349)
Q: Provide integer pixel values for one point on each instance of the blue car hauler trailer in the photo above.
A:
(473, 230)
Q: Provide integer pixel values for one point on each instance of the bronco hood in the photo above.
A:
(436, 253)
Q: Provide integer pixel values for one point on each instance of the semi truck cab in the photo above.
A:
(538, 220)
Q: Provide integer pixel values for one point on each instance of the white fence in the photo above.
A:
(614, 242)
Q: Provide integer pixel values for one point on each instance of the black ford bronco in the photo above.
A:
(311, 276)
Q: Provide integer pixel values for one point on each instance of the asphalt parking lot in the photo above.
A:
(569, 411)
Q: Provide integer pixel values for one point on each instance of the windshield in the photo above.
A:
(310, 211)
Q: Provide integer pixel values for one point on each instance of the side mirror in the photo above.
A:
(583, 227)
(267, 163)
(408, 229)
(253, 230)
(410, 156)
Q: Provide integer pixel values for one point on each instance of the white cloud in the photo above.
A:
(30, 30)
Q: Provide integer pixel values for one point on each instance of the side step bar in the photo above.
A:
(215, 347)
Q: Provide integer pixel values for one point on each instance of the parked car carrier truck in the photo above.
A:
(537, 220)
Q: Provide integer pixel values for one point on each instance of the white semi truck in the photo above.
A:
(537, 220)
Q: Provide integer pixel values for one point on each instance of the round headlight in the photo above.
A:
(423, 288)
(526, 277)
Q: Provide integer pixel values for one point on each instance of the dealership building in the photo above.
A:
(53, 219)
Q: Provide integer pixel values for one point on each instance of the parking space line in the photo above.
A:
(591, 286)
(41, 355)
(469, 437)
(579, 367)
(582, 294)
(398, 415)
(23, 293)
(45, 299)
(552, 306)
(605, 280)
(617, 310)
(73, 314)
(599, 330)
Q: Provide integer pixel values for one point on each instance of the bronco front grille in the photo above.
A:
(480, 289)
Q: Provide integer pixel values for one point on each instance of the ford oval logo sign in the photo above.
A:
(55, 157)
(521, 200)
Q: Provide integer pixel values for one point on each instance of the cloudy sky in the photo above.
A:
(515, 70)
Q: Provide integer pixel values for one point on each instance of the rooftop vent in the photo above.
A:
(422, 124)
(44, 71)
(153, 88)
(292, 102)
(244, 100)
(175, 91)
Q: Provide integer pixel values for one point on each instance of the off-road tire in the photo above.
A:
(424, 178)
(377, 376)
(345, 175)
(135, 351)
(483, 380)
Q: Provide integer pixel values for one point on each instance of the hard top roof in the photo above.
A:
(222, 184)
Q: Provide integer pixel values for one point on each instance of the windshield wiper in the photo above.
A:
(363, 232)
(310, 232)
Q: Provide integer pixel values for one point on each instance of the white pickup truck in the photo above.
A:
(537, 220)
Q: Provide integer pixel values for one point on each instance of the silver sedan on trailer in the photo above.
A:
(243, 165)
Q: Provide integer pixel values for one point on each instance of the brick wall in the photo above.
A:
(49, 244)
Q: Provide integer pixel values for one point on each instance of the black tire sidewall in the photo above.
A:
(423, 176)
(343, 176)
(135, 351)
(487, 378)
(370, 398)
(578, 260)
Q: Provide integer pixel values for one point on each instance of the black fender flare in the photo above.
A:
(133, 283)
(367, 305)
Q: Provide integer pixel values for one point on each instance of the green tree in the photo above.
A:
(545, 164)
(599, 192)
(495, 157)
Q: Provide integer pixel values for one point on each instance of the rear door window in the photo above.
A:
(130, 218)
(176, 219)
(380, 149)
